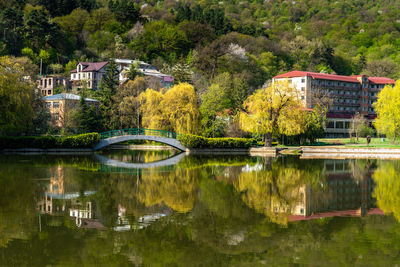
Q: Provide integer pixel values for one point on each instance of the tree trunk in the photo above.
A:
(268, 139)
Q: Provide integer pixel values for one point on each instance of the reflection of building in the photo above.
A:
(349, 94)
(49, 204)
(59, 105)
(342, 194)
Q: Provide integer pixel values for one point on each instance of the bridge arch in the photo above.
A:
(118, 136)
(127, 165)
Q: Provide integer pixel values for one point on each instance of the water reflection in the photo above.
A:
(226, 210)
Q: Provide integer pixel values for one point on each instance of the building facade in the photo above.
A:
(87, 74)
(46, 84)
(348, 95)
(61, 104)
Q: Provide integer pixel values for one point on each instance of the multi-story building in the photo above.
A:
(348, 95)
(46, 84)
(60, 105)
(87, 74)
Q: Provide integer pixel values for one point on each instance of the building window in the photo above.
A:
(56, 104)
(49, 92)
(56, 116)
(49, 82)
(339, 125)
(48, 104)
(331, 124)
(302, 97)
(303, 80)
(290, 80)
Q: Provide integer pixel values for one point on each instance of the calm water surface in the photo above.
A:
(198, 211)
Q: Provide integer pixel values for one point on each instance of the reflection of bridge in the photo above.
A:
(161, 136)
(126, 165)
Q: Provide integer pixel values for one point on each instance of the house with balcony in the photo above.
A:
(87, 75)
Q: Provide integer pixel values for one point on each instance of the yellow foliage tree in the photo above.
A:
(151, 110)
(388, 110)
(176, 110)
(181, 108)
(273, 110)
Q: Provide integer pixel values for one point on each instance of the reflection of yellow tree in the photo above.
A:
(272, 192)
(387, 190)
(176, 189)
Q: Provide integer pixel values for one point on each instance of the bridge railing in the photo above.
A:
(139, 131)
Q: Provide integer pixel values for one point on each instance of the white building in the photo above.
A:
(145, 68)
(89, 74)
(349, 95)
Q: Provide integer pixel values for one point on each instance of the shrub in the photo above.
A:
(78, 141)
(194, 141)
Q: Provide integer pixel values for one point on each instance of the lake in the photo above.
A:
(158, 208)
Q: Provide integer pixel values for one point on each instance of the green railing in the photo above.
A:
(139, 131)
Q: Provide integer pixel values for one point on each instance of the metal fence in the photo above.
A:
(139, 131)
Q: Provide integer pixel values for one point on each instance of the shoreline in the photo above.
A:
(305, 152)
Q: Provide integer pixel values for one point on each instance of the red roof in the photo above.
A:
(91, 66)
(316, 75)
(334, 77)
(343, 213)
(381, 80)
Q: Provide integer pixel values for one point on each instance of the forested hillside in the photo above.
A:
(252, 39)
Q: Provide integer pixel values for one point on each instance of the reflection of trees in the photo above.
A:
(176, 189)
(387, 190)
(137, 156)
(277, 189)
(18, 197)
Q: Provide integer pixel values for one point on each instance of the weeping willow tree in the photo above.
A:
(276, 109)
(176, 110)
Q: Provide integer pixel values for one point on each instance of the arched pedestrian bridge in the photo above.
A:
(122, 135)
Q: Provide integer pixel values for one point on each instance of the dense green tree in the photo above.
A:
(15, 99)
(160, 39)
(126, 11)
(40, 30)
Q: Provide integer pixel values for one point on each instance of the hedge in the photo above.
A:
(77, 141)
(195, 141)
